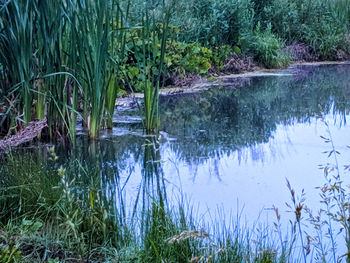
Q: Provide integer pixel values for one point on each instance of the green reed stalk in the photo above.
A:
(112, 93)
(118, 52)
(93, 38)
(150, 32)
(17, 48)
(51, 92)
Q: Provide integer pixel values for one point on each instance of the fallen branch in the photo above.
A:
(26, 135)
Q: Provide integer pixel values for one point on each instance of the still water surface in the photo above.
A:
(231, 146)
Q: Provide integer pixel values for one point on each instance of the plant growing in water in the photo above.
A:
(157, 34)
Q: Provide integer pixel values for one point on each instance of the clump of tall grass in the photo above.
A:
(17, 48)
(32, 58)
(93, 30)
(266, 47)
(157, 34)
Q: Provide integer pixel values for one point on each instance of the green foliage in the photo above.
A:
(284, 18)
(260, 14)
(213, 22)
(323, 25)
(179, 58)
(326, 38)
(9, 254)
(194, 58)
(188, 57)
(266, 47)
(220, 54)
(138, 46)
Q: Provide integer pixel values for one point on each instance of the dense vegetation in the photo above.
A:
(67, 58)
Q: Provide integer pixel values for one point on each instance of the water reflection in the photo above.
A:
(221, 121)
(235, 142)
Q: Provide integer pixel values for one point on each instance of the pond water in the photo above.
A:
(234, 146)
(227, 147)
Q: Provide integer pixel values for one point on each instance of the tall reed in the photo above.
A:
(119, 57)
(17, 48)
(57, 90)
(156, 34)
(32, 53)
(93, 35)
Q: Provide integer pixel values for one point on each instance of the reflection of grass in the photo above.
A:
(47, 214)
(76, 213)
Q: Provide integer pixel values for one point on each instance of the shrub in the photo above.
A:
(322, 25)
(220, 54)
(213, 22)
(260, 14)
(326, 38)
(194, 58)
(284, 19)
(266, 47)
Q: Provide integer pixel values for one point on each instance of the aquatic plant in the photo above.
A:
(93, 37)
(17, 48)
(59, 59)
(152, 79)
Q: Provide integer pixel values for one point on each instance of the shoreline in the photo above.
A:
(204, 83)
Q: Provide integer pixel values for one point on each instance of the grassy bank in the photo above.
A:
(63, 59)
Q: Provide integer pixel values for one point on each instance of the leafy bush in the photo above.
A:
(140, 52)
(222, 53)
(260, 14)
(194, 58)
(180, 58)
(266, 47)
(188, 57)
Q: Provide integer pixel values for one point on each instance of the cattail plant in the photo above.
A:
(119, 56)
(156, 34)
(93, 35)
(17, 48)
